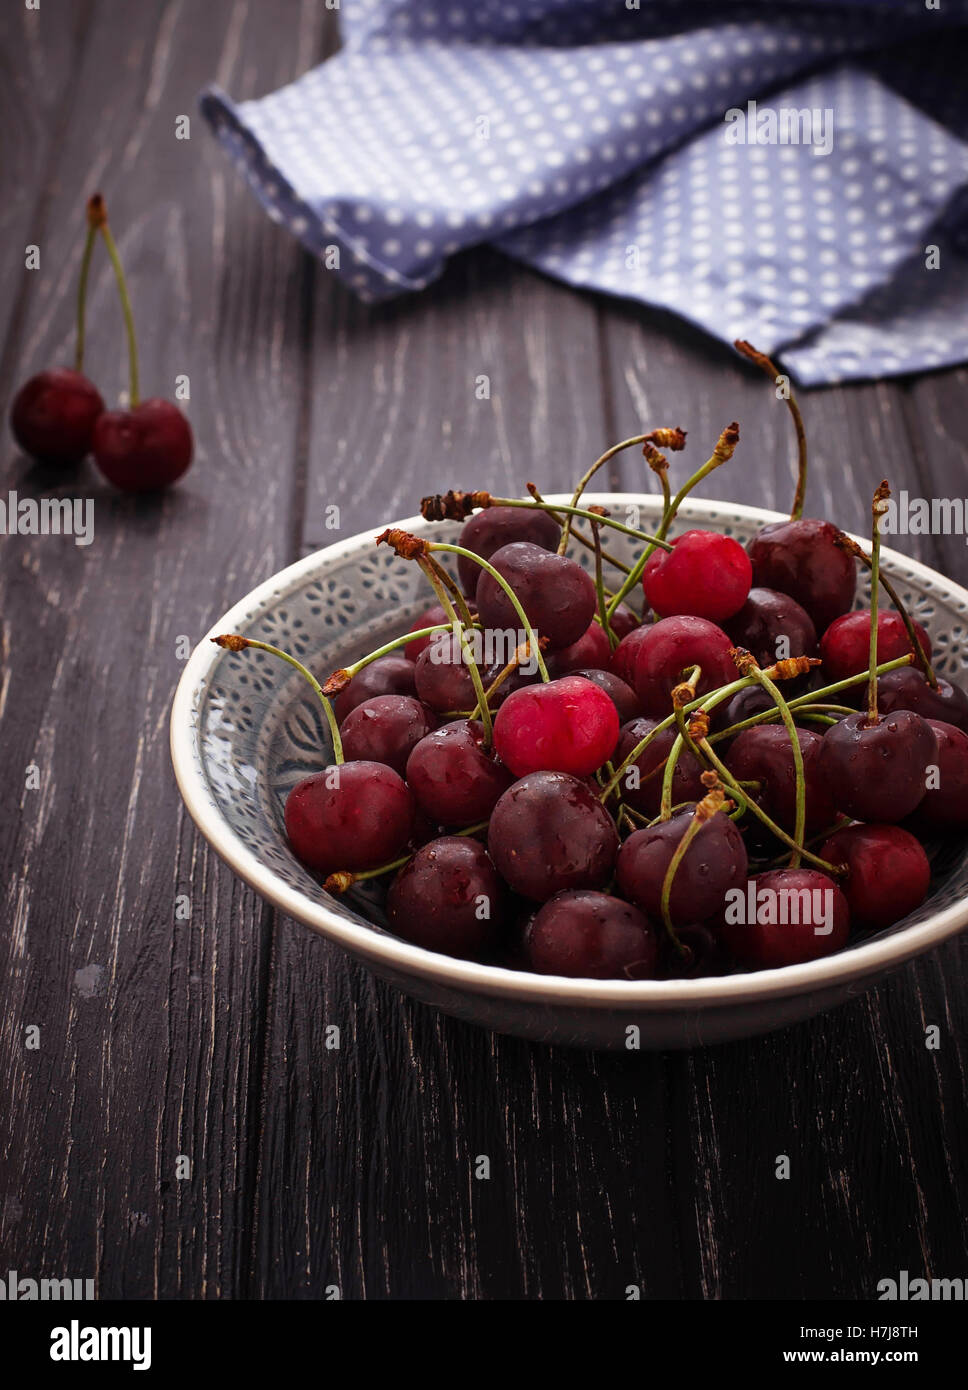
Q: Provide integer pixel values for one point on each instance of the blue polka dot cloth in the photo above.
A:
(791, 173)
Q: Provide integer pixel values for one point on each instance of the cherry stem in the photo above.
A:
(921, 656)
(233, 642)
(436, 575)
(690, 833)
(586, 513)
(343, 879)
(82, 294)
(725, 447)
(760, 360)
(511, 595)
(578, 536)
(99, 215)
(600, 589)
(878, 508)
(586, 479)
(749, 667)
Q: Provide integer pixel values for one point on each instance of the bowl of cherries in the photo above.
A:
(614, 770)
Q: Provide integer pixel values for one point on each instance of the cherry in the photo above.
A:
(704, 954)
(448, 898)
(772, 626)
(764, 754)
(354, 816)
(908, 688)
(801, 558)
(386, 729)
(888, 873)
(549, 832)
(876, 772)
(565, 725)
(625, 655)
(592, 649)
(714, 862)
(706, 574)
(592, 936)
(430, 617)
(387, 675)
(622, 696)
(556, 594)
(145, 448)
(944, 808)
(624, 620)
(53, 416)
(453, 777)
(668, 649)
(650, 764)
(489, 530)
(845, 646)
(798, 915)
(442, 676)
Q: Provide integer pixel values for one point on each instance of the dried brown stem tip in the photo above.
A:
(710, 804)
(848, 543)
(97, 213)
(682, 695)
(698, 728)
(674, 439)
(656, 461)
(339, 882)
(745, 661)
(790, 667)
(231, 641)
(405, 545)
(452, 506)
(725, 445)
(338, 681)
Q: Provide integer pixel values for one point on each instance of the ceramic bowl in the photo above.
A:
(245, 728)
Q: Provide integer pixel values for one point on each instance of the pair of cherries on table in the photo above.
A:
(58, 416)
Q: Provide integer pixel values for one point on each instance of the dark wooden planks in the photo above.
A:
(150, 1024)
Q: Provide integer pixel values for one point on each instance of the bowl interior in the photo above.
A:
(256, 728)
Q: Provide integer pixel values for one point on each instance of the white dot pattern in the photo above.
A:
(590, 141)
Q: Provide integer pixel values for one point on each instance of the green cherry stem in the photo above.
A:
(878, 508)
(434, 572)
(233, 642)
(511, 595)
(760, 360)
(747, 665)
(98, 215)
(576, 535)
(89, 240)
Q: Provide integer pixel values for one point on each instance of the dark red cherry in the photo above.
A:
(591, 936)
(556, 594)
(53, 416)
(388, 675)
(907, 688)
(624, 620)
(622, 696)
(845, 646)
(802, 559)
(448, 898)
(592, 649)
(488, 531)
(549, 832)
(714, 862)
(453, 778)
(668, 649)
(888, 873)
(786, 917)
(566, 725)
(641, 784)
(430, 617)
(626, 654)
(442, 675)
(772, 626)
(704, 954)
(944, 807)
(877, 772)
(143, 449)
(705, 574)
(764, 754)
(386, 729)
(355, 816)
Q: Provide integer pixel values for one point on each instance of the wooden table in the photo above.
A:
(178, 1014)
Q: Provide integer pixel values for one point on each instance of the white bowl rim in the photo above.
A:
(855, 963)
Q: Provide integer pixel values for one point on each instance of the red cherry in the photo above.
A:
(877, 772)
(714, 862)
(845, 646)
(798, 915)
(908, 688)
(802, 558)
(591, 936)
(453, 778)
(626, 654)
(487, 531)
(668, 649)
(143, 449)
(764, 754)
(448, 898)
(622, 696)
(888, 873)
(592, 649)
(567, 725)
(556, 594)
(944, 807)
(386, 729)
(430, 617)
(706, 574)
(643, 789)
(355, 816)
(550, 832)
(387, 675)
(772, 625)
(53, 416)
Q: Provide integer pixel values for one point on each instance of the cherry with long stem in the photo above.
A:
(234, 642)
(920, 655)
(437, 575)
(747, 665)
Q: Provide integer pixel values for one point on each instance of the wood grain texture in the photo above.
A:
(206, 1036)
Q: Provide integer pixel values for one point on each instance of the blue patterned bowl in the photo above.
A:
(245, 728)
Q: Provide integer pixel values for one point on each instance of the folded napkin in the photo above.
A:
(791, 173)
